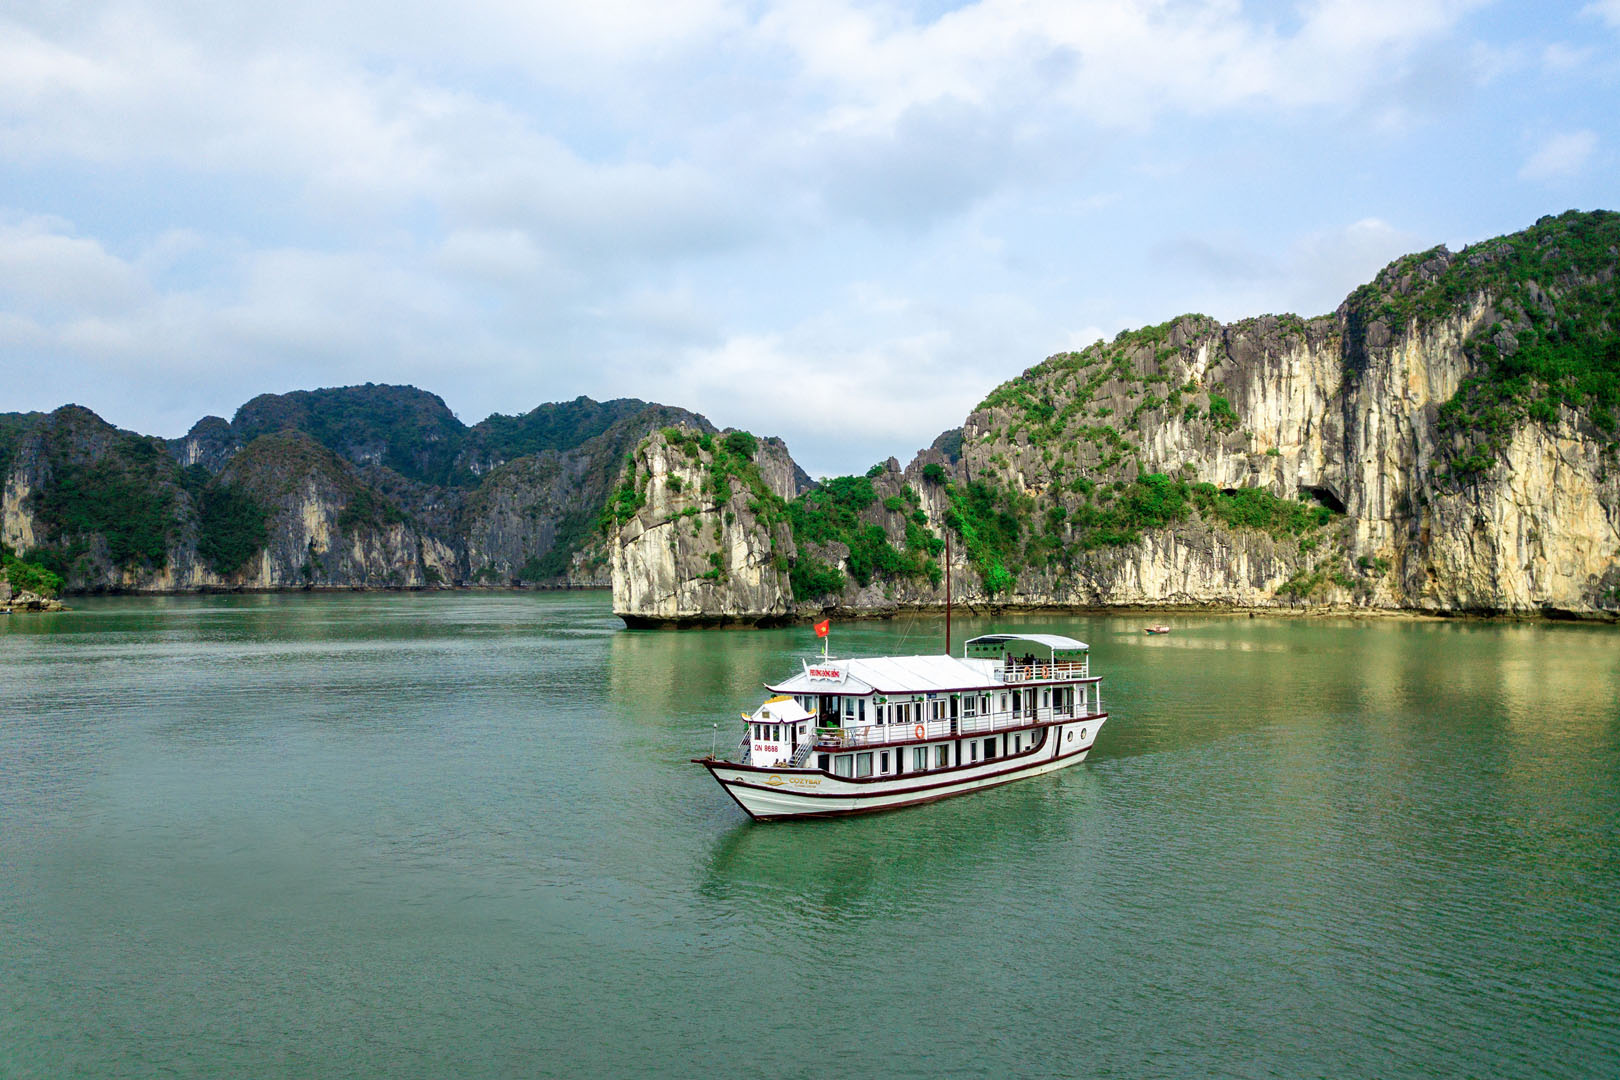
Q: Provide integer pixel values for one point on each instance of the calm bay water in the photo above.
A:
(396, 835)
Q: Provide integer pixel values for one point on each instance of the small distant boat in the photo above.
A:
(1161, 629)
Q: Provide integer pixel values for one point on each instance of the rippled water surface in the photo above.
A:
(402, 836)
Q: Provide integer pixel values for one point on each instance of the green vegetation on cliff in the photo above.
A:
(366, 509)
(561, 425)
(414, 433)
(408, 430)
(232, 526)
(572, 531)
(1554, 341)
(26, 576)
(126, 495)
(1004, 532)
(833, 514)
(13, 427)
(843, 511)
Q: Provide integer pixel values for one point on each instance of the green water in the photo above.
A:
(436, 836)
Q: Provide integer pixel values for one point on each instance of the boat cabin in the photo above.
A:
(776, 730)
(900, 714)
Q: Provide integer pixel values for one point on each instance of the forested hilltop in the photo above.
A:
(371, 486)
(1445, 441)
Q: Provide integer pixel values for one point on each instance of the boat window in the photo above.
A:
(970, 706)
(1046, 697)
(883, 762)
(1003, 702)
(919, 759)
(841, 765)
(989, 749)
(973, 751)
(822, 760)
(863, 764)
(942, 757)
(1018, 743)
(984, 704)
(860, 709)
(849, 706)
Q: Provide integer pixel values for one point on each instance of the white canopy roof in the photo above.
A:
(780, 710)
(890, 675)
(1049, 641)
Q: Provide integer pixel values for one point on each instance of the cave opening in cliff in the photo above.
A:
(1326, 497)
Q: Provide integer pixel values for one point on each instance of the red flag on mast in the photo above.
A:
(823, 628)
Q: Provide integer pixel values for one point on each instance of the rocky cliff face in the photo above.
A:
(1443, 442)
(535, 517)
(301, 491)
(700, 539)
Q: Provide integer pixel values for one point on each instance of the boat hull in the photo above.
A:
(774, 794)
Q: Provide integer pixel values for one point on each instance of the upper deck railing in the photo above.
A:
(1016, 671)
(961, 727)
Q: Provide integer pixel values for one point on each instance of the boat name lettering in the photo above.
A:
(796, 781)
(826, 673)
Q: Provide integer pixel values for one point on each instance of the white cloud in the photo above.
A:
(701, 201)
(1607, 10)
(1116, 62)
(1559, 156)
(1560, 57)
(1230, 277)
(358, 144)
(500, 257)
(44, 268)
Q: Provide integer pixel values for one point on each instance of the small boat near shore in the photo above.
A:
(1160, 629)
(860, 735)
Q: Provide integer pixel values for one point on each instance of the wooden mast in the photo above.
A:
(947, 591)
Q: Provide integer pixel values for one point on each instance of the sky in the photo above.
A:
(842, 223)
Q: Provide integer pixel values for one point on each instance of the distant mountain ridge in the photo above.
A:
(358, 486)
(405, 429)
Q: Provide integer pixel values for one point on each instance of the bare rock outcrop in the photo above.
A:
(699, 537)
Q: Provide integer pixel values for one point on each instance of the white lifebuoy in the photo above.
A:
(918, 731)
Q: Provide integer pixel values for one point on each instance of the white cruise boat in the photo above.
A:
(854, 736)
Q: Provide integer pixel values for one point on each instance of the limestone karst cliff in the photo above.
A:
(1445, 441)
(698, 536)
(369, 487)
